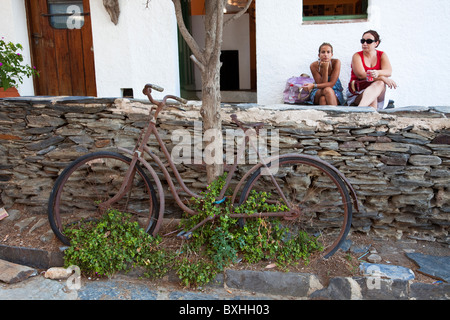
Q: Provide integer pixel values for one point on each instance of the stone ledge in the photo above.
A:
(444, 110)
(32, 257)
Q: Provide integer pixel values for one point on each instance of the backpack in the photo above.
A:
(293, 92)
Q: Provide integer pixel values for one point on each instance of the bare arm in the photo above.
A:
(386, 68)
(358, 67)
(385, 73)
(321, 78)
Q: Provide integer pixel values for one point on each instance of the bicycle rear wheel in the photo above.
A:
(91, 180)
(317, 196)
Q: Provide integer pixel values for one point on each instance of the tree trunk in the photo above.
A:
(208, 60)
(212, 122)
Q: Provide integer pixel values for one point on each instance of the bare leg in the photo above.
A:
(371, 94)
(318, 97)
(330, 97)
(326, 97)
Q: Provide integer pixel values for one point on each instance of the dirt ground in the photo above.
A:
(26, 230)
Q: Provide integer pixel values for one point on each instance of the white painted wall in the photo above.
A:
(142, 48)
(13, 27)
(414, 35)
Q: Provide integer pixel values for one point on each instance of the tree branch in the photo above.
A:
(210, 27)
(239, 14)
(196, 50)
(198, 63)
(219, 31)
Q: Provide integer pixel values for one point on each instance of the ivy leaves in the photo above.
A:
(115, 243)
(221, 243)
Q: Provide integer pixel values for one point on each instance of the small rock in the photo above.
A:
(374, 258)
(47, 236)
(345, 246)
(24, 223)
(359, 248)
(14, 215)
(57, 273)
(38, 224)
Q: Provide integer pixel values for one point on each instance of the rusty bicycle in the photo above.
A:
(319, 198)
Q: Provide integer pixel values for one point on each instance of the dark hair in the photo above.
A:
(326, 44)
(375, 35)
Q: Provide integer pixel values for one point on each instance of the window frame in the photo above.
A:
(56, 18)
(338, 18)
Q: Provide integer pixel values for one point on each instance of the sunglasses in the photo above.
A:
(369, 41)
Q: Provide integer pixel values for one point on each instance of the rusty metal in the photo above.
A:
(142, 148)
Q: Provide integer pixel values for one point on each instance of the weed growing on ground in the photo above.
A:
(224, 241)
(115, 243)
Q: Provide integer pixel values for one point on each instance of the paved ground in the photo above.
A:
(387, 276)
(233, 285)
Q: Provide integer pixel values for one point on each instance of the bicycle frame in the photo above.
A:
(141, 148)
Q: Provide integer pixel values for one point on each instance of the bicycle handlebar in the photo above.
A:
(181, 100)
(160, 104)
(147, 92)
(153, 86)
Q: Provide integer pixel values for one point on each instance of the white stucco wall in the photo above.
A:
(142, 48)
(414, 35)
(13, 27)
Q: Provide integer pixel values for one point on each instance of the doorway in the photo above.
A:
(229, 73)
(62, 48)
(239, 46)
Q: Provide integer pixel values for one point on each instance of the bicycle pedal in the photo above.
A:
(184, 235)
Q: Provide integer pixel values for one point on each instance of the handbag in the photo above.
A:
(356, 86)
(294, 92)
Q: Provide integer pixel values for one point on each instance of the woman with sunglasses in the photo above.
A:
(371, 72)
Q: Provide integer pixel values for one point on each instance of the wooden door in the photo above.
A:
(62, 48)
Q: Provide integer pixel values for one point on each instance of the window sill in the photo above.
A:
(316, 22)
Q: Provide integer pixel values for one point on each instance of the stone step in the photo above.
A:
(13, 273)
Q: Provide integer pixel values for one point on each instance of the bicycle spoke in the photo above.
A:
(90, 183)
(318, 199)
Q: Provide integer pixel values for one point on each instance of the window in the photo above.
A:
(316, 10)
(66, 14)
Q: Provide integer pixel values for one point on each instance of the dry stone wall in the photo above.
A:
(397, 160)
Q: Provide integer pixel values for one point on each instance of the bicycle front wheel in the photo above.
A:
(93, 179)
(317, 197)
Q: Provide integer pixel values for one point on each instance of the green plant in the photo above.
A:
(222, 242)
(196, 273)
(12, 70)
(113, 244)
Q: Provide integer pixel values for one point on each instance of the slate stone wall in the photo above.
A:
(397, 160)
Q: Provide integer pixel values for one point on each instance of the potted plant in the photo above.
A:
(12, 69)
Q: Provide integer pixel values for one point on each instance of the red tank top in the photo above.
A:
(366, 68)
